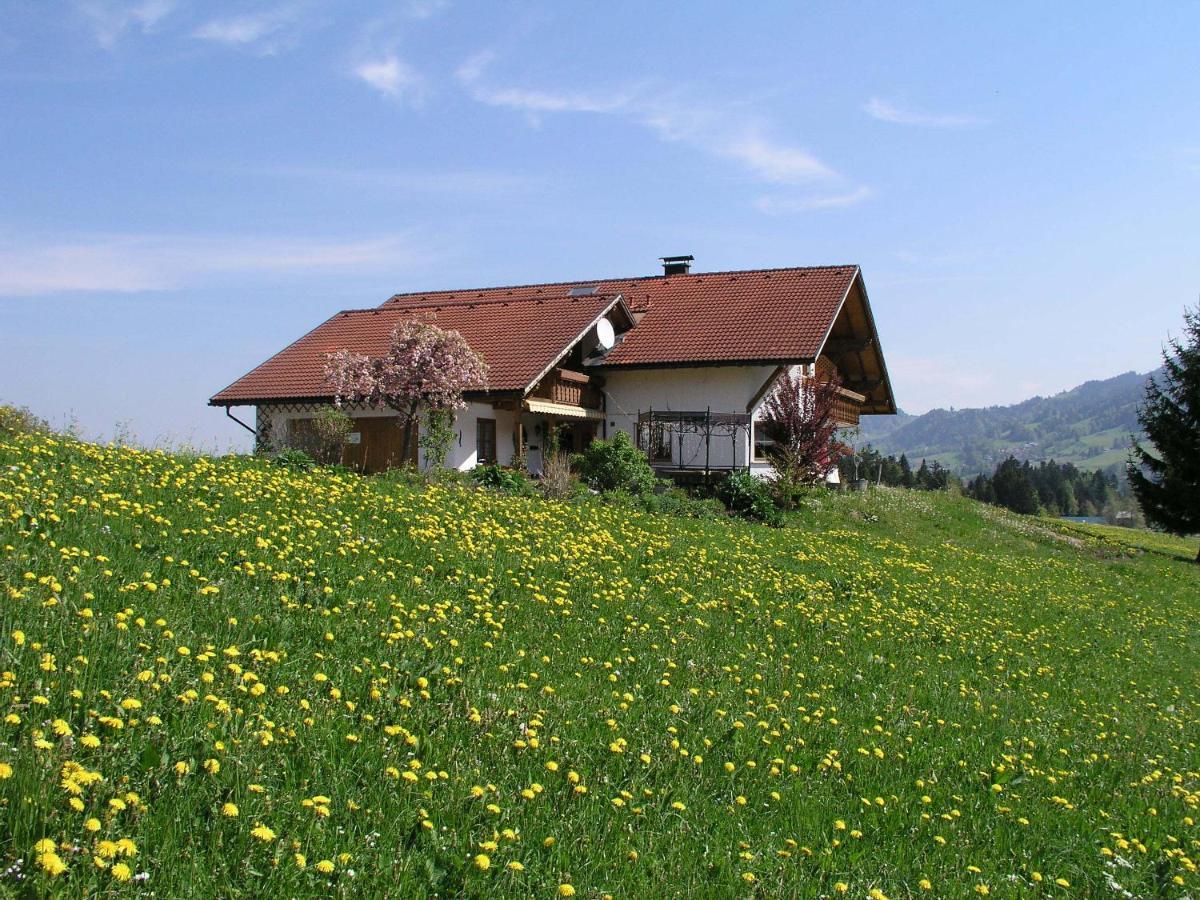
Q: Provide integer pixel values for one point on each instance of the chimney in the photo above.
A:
(676, 265)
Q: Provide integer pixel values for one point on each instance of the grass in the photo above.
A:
(222, 678)
(1138, 539)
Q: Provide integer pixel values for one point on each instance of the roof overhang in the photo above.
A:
(618, 304)
(890, 399)
(329, 398)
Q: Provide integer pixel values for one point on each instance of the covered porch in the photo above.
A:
(688, 446)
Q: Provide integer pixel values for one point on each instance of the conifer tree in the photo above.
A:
(1166, 477)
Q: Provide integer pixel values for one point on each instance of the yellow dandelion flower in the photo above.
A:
(52, 863)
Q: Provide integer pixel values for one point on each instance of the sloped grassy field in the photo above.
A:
(223, 678)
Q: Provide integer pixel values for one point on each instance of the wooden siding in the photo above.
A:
(570, 388)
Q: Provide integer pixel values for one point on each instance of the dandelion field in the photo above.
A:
(223, 678)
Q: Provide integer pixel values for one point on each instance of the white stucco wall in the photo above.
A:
(725, 389)
(462, 453)
(722, 389)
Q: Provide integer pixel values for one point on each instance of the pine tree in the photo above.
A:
(1166, 479)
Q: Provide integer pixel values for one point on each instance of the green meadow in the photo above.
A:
(224, 678)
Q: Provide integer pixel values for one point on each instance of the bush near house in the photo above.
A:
(750, 496)
(501, 478)
(224, 677)
(615, 464)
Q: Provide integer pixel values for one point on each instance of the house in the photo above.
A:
(681, 361)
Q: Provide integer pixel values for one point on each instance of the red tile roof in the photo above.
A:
(518, 337)
(760, 315)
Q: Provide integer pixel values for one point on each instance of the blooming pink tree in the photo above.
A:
(799, 416)
(425, 369)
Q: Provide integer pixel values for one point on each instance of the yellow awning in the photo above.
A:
(565, 410)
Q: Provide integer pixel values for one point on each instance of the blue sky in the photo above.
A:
(186, 186)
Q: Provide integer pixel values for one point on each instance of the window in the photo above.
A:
(763, 445)
(485, 441)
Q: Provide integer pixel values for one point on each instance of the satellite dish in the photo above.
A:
(605, 336)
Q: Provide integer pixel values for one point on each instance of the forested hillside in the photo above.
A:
(1088, 426)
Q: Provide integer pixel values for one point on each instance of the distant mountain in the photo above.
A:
(1088, 426)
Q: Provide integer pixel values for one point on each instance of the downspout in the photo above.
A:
(240, 422)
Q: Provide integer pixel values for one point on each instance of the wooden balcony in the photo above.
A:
(847, 408)
(569, 388)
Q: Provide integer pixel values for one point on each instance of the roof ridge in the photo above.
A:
(678, 277)
(488, 301)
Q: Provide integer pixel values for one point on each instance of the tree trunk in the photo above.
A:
(409, 424)
(405, 421)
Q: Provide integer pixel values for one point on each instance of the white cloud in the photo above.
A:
(133, 263)
(711, 130)
(392, 77)
(884, 111)
(783, 205)
(110, 19)
(266, 32)
(776, 162)
(471, 72)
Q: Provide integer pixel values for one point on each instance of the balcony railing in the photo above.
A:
(569, 388)
(846, 409)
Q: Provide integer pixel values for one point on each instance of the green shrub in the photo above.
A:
(296, 460)
(615, 464)
(500, 478)
(437, 437)
(330, 428)
(749, 496)
(19, 420)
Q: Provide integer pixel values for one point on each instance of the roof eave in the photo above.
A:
(890, 409)
(709, 363)
(218, 401)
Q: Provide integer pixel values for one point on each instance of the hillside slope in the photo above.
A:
(1089, 426)
(225, 678)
